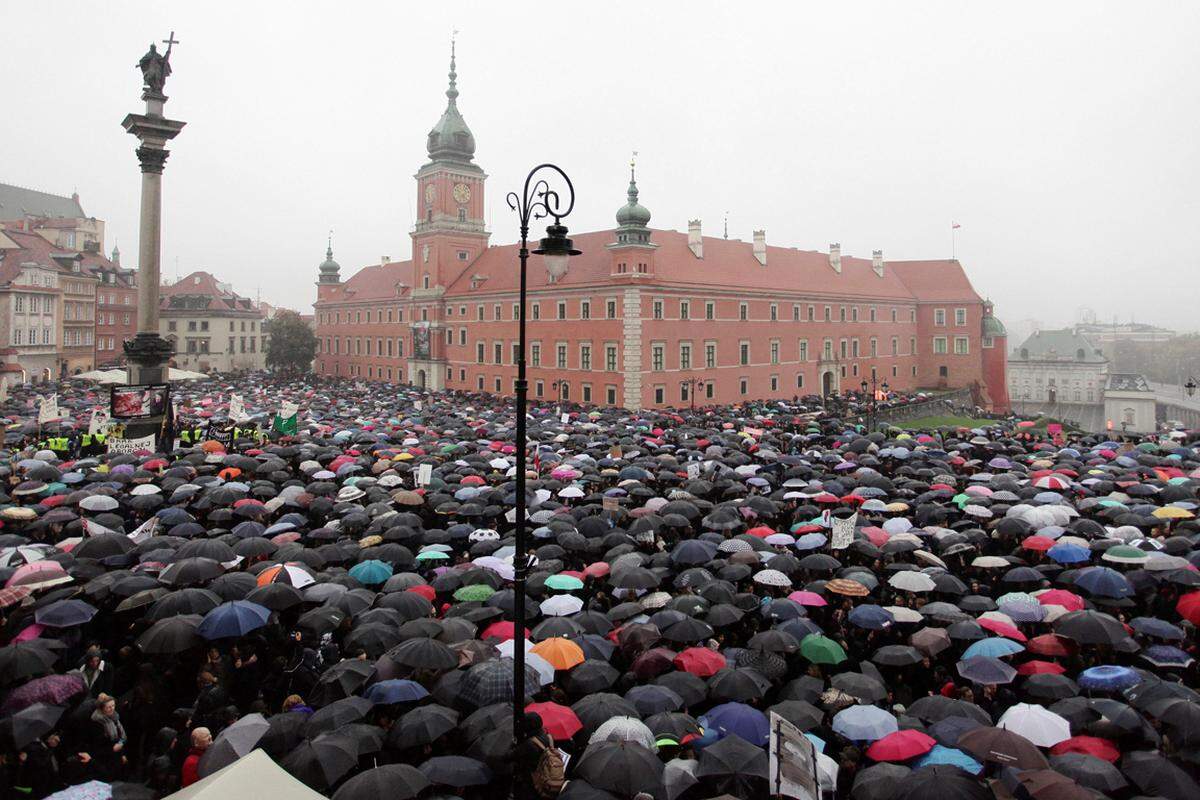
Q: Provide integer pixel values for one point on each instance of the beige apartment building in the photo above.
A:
(212, 328)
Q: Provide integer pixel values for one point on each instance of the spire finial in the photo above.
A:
(452, 92)
(632, 164)
(726, 224)
(329, 246)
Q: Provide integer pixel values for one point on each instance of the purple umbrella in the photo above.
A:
(52, 689)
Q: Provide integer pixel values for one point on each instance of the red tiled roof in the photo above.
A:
(32, 248)
(204, 283)
(725, 263)
(936, 280)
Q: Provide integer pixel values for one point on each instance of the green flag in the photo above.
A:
(285, 426)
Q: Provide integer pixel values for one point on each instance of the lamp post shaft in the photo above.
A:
(519, 560)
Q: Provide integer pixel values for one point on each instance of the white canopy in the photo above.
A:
(252, 777)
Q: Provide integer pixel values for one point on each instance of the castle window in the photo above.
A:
(462, 215)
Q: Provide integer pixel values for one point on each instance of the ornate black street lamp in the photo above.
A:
(536, 201)
(874, 401)
(693, 385)
(563, 388)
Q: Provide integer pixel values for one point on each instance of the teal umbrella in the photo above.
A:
(563, 583)
(371, 572)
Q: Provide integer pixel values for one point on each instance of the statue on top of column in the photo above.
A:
(156, 66)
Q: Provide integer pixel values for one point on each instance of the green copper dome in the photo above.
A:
(633, 213)
(993, 327)
(451, 139)
(330, 270)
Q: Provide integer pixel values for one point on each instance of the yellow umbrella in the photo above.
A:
(1173, 512)
(896, 507)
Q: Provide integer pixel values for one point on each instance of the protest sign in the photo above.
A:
(843, 532)
(791, 762)
(424, 474)
(125, 446)
(48, 409)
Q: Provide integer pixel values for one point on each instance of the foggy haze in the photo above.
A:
(1061, 136)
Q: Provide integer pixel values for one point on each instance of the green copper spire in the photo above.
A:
(451, 139)
(330, 270)
(632, 218)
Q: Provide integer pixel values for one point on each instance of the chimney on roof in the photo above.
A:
(877, 262)
(695, 240)
(385, 260)
(760, 246)
(835, 256)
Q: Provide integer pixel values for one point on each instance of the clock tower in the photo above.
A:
(448, 233)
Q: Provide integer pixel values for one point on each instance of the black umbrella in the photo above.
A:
(342, 680)
(1154, 774)
(690, 687)
(422, 726)
(596, 709)
(456, 771)
(423, 653)
(337, 714)
(171, 635)
(284, 733)
(24, 660)
(322, 762)
(740, 684)
(389, 782)
(32, 722)
(185, 601)
(878, 782)
(1089, 771)
(592, 675)
(942, 781)
(735, 766)
(621, 767)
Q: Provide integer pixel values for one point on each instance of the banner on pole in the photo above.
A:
(237, 408)
(792, 761)
(843, 532)
(424, 474)
(99, 422)
(48, 409)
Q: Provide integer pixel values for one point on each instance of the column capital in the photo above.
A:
(152, 159)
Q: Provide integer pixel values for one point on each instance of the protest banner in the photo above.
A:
(791, 761)
(424, 474)
(99, 422)
(48, 409)
(693, 470)
(139, 401)
(843, 532)
(126, 446)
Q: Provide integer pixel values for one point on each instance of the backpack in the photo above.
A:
(550, 773)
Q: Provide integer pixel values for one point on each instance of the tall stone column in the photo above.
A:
(148, 352)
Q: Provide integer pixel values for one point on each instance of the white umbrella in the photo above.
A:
(772, 577)
(561, 605)
(910, 581)
(1043, 728)
(99, 502)
(625, 729)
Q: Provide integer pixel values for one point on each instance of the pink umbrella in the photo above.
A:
(807, 598)
(29, 632)
(39, 574)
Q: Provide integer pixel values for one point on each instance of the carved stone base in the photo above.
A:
(148, 354)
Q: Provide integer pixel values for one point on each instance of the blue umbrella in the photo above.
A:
(864, 723)
(64, 614)
(1167, 656)
(1158, 628)
(995, 647)
(985, 669)
(395, 691)
(693, 552)
(1066, 553)
(951, 756)
(739, 718)
(1108, 677)
(871, 617)
(235, 618)
(371, 572)
(817, 741)
(1103, 581)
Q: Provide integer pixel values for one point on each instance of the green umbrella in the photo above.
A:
(1148, 447)
(563, 583)
(821, 649)
(476, 592)
(431, 555)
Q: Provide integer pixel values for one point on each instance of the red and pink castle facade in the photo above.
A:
(642, 311)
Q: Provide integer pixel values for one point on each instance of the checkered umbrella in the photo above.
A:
(492, 682)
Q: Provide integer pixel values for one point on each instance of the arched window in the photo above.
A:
(462, 215)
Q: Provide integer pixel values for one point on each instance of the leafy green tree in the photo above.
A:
(292, 344)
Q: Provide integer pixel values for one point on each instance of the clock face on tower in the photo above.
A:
(430, 192)
(462, 193)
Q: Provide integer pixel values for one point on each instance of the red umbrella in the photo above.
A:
(502, 630)
(559, 721)
(700, 661)
(1189, 607)
(1002, 628)
(901, 746)
(1061, 597)
(1049, 644)
(1037, 667)
(1038, 543)
(1088, 746)
(423, 589)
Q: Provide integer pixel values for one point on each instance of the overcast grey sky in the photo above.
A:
(1061, 136)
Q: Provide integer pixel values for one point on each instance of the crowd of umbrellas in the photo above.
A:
(1011, 616)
